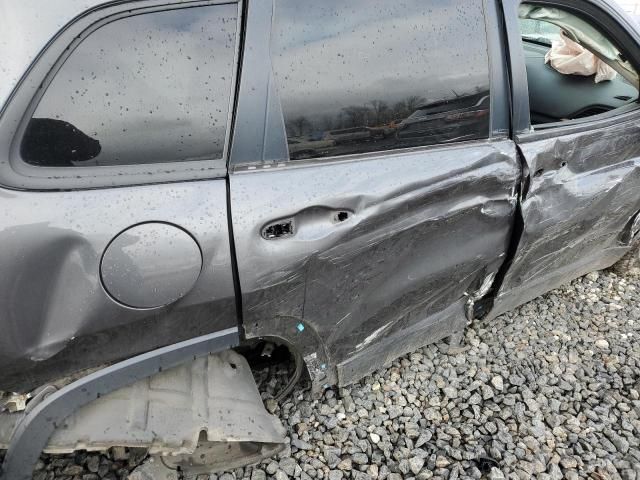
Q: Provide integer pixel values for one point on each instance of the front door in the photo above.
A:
(373, 189)
(579, 141)
(109, 247)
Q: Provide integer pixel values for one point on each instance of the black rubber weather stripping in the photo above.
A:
(33, 432)
(232, 244)
(507, 54)
(234, 264)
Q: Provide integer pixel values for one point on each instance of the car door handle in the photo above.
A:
(281, 228)
(311, 223)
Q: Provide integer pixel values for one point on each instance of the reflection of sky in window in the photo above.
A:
(333, 54)
(150, 88)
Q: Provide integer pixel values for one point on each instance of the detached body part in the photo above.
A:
(184, 183)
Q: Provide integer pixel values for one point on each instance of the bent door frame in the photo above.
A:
(260, 145)
(550, 162)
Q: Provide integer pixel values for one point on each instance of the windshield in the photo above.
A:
(539, 31)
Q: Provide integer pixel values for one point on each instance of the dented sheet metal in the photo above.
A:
(579, 206)
(211, 403)
(424, 230)
(55, 316)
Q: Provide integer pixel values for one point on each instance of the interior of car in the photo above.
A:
(573, 70)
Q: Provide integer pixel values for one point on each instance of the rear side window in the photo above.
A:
(375, 75)
(152, 88)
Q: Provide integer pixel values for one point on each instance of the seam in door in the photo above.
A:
(237, 289)
(484, 306)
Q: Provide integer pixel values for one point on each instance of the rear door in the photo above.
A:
(580, 196)
(113, 226)
(373, 184)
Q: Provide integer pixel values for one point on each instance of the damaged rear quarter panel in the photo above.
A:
(579, 208)
(55, 316)
(426, 229)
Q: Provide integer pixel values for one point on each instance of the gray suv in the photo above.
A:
(174, 198)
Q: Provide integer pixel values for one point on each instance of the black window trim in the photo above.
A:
(625, 114)
(251, 144)
(17, 174)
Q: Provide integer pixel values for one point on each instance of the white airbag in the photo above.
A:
(570, 58)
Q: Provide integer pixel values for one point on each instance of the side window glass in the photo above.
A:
(573, 70)
(375, 75)
(151, 88)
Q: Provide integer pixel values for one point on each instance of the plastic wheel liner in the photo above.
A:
(202, 416)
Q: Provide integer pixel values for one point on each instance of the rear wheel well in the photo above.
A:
(277, 366)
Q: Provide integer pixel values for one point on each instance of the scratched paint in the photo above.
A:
(427, 228)
(579, 206)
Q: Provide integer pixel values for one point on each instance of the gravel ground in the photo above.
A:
(549, 391)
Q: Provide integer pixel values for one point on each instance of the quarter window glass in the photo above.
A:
(375, 75)
(151, 88)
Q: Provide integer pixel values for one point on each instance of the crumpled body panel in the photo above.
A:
(55, 316)
(578, 210)
(423, 232)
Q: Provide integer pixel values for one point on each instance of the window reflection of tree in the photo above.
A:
(381, 125)
(374, 113)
